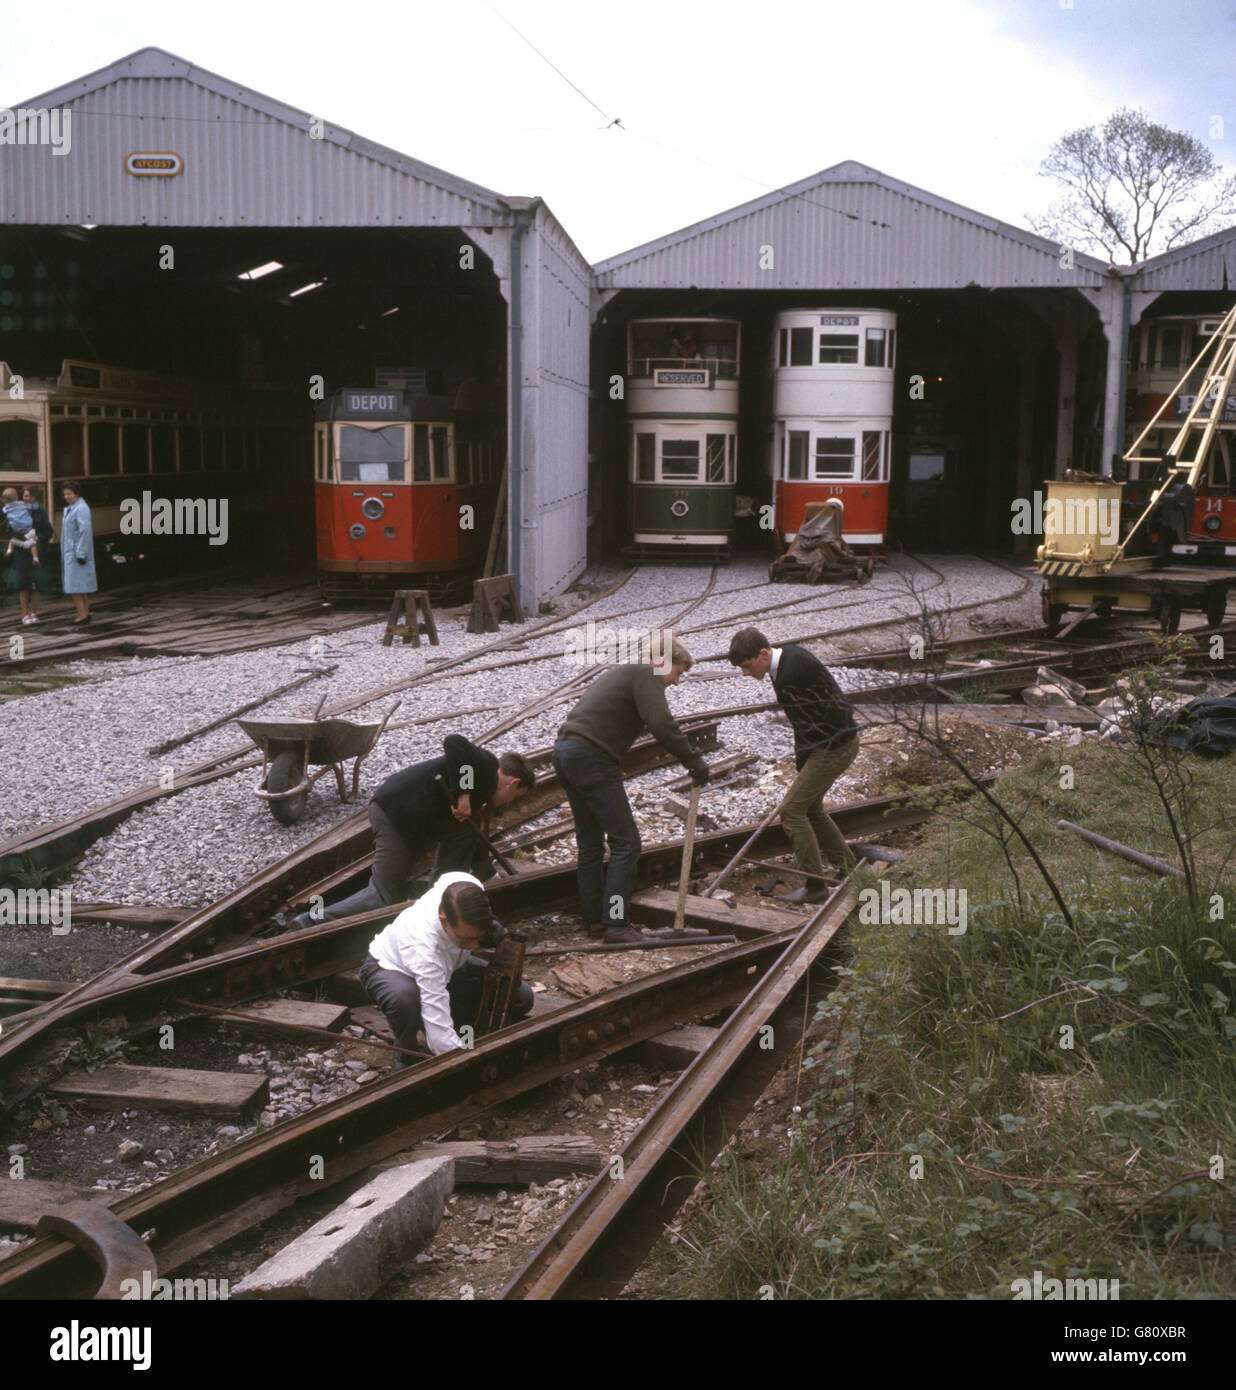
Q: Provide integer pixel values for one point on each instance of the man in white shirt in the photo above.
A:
(419, 969)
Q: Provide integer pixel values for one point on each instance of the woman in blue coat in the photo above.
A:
(77, 551)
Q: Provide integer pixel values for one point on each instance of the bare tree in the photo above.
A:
(1134, 189)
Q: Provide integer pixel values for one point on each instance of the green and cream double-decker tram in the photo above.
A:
(682, 409)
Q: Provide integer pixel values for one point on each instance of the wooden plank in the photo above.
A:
(166, 1088)
(24, 1200)
(509, 1163)
(290, 1013)
(655, 907)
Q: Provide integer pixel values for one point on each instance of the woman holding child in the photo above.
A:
(29, 571)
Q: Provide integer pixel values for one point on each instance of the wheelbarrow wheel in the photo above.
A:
(286, 770)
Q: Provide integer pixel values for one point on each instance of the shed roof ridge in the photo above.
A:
(847, 171)
(182, 69)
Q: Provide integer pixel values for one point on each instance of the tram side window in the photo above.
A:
(875, 348)
(834, 458)
(162, 449)
(212, 448)
(680, 458)
(796, 468)
(420, 454)
(190, 448)
(838, 348)
(871, 455)
(19, 446)
(463, 462)
(135, 446)
(441, 452)
(374, 455)
(1169, 347)
(104, 448)
(716, 458)
(67, 451)
(798, 345)
(646, 458)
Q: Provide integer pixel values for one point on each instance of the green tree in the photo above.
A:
(1133, 189)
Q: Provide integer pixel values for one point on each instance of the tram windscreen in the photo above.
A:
(838, 347)
(19, 446)
(372, 455)
(680, 458)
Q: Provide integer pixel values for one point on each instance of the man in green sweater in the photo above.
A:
(617, 707)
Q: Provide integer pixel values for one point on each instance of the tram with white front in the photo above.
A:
(682, 421)
(832, 418)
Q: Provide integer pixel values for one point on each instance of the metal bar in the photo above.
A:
(688, 846)
(607, 1233)
(1144, 861)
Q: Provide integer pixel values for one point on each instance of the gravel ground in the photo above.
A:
(86, 744)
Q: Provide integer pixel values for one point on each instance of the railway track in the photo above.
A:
(214, 958)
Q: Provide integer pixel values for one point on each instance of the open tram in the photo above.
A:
(155, 455)
(832, 418)
(406, 482)
(1160, 351)
(682, 413)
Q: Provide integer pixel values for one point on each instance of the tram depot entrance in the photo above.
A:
(255, 311)
(958, 454)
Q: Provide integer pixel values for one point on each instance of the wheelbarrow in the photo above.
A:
(294, 745)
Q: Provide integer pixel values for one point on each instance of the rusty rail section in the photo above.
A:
(36, 1044)
(608, 1232)
(218, 1198)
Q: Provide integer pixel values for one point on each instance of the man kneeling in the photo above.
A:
(419, 969)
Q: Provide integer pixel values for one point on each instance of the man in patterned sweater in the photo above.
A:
(825, 744)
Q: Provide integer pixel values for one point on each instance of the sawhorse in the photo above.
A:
(413, 606)
(489, 598)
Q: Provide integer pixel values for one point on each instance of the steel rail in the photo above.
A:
(217, 1198)
(608, 1232)
(332, 857)
(35, 1050)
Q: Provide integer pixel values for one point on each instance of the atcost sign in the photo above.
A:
(161, 164)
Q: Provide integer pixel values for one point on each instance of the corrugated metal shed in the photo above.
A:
(848, 227)
(248, 161)
(553, 381)
(1209, 264)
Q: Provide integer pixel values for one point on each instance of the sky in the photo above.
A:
(720, 101)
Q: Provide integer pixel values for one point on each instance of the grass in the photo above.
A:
(1024, 1096)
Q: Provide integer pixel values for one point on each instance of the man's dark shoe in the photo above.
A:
(625, 938)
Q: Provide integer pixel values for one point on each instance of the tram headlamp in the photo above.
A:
(372, 509)
(356, 531)
(1213, 524)
(389, 532)
(679, 507)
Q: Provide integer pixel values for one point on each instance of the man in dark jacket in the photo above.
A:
(825, 744)
(603, 725)
(430, 804)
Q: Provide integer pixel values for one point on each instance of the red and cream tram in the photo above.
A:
(832, 418)
(1160, 349)
(406, 481)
